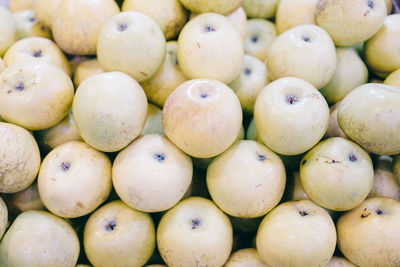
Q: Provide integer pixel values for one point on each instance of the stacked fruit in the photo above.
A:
(200, 133)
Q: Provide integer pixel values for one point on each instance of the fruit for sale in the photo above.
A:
(389, 6)
(169, 14)
(151, 174)
(167, 78)
(35, 94)
(260, 34)
(381, 54)
(39, 238)
(292, 13)
(44, 10)
(251, 133)
(334, 129)
(239, 20)
(131, 31)
(202, 117)
(116, 114)
(296, 233)
(74, 179)
(2, 65)
(350, 22)
(8, 30)
(393, 79)
(305, 52)
(396, 168)
(287, 106)
(117, 235)
(350, 73)
(85, 69)
(209, 46)
(29, 26)
(3, 217)
(339, 262)
(294, 189)
(252, 79)
(370, 115)
(385, 184)
(247, 180)
(245, 257)
(18, 5)
(260, 8)
(337, 174)
(153, 123)
(39, 49)
(223, 7)
(195, 233)
(20, 158)
(368, 235)
(76, 24)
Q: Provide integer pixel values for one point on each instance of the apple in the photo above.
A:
(2, 65)
(252, 79)
(380, 51)
(368, 235)
(209, 46)
(167, 78)
(3, 217)
(44, 10)
(18, 5)
(131, 31)
(396, 168)
(153, 123)
(202, 117)
(76, 24)
(151, 174)
(35, 94)
(334, 129)
(337, 174)
(195, 233)
(29, 26)
(393, 79)
(39, 238)
(20, 158)
(239, 20)
(37, 48)
(350, 73)
(265, 9)
(290, 105)
(245, 257)
(350, 22)
(385, 184)
(339, 262)
(116, 114)
(74, 179)
(292, 13)
(223, 7)
(8, 30)
(370, 115)
(260, 34)
(169, 14)
(306, 52)
(85, 69)
(296, 233)
(247, 180)
(117, 235)
(295, 190)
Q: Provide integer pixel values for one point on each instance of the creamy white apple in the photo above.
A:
(8, 30)
(85, 69)
(265, 9)
(260, 34)
(292, 13)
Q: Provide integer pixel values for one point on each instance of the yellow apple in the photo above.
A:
(339, 262)
(245, 257)
(260, 8)
(85, 69)
(223, 7)
(393, 79)
(202, 117)
(292, 13)
(18, 5)
(44, 10)
(260, 34)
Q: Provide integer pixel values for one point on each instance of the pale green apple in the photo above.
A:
(292, 13)
(153, 121)
(260, 8)
(85, 69)
(260, 34)
(385, 184)
(223, 7)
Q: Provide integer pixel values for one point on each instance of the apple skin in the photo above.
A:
(117, 227)
(296, 233)
(29, 26)
(370, 115)
(20, 158)
(290, 105)
(339, 262)
(306, 52)
(77, 24)
(123, 107)
(393, 79)
(223, 7)
(209, 46)
(239, 20)
(85, 69)
(334, 129)
(337, 174)
(245, 257)
(18, 5)
(131, 31)
(8, 30)
(260, 34)
(260, 8)
(380, 51)
(39, 49)
(385, 184)
(44, 10)
(368, 235)
(292, 13)
(361, 19)
(195, 233)
(2, 65)
(153, 121)
(202, 117)
(3, 217)
(39, 238)
(247, 180)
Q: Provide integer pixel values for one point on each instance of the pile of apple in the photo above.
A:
(199, 133)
